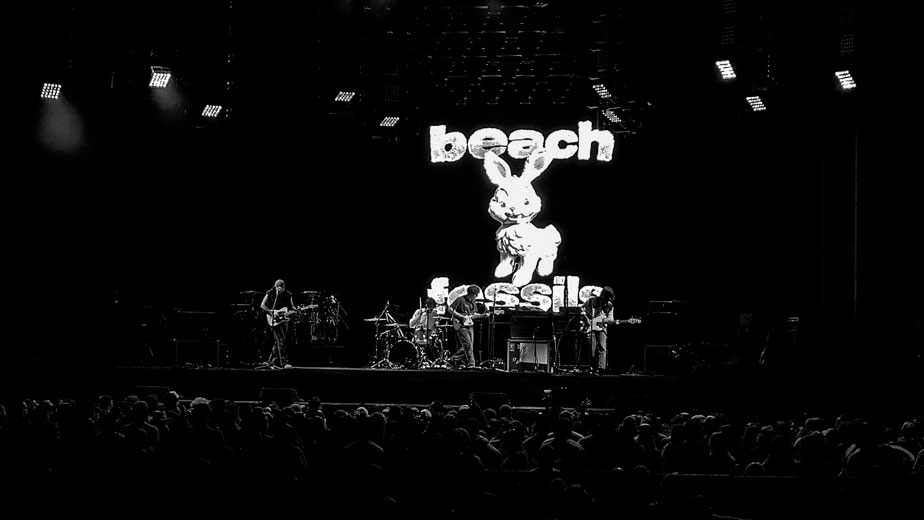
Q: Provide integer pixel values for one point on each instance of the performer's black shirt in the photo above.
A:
(284, 299)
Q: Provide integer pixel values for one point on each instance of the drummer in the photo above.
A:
(425, 319)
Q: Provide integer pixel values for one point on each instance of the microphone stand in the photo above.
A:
(553, 356)
(383, 361)
(338, 319)
(592, 336)
(577, 343)
(422, 350)
(492, 325)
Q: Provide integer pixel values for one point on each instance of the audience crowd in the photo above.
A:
(158, 455)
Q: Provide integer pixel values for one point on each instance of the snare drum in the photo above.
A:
(421, 337)
(404, 354)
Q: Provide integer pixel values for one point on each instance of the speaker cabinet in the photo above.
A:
(527, 355)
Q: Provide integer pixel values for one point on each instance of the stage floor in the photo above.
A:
(396, 386)
(731, 389)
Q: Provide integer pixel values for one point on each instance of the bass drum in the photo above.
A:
(404, 354)
(433, 351)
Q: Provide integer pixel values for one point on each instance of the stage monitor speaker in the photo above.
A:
(281, 396)
(527, 355)
(196, 352)
(667, 360)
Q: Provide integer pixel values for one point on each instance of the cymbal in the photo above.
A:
(310, 292)
(443, 326)
(396, 325)
(375, 319)
(250, 292)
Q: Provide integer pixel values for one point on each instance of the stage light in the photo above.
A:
(846, 79)
(344, 97)
(389, 121)
(756, 104)
(726, 69)
(211, 110)
(611, 115)
(51, 90)
(160, 76)
(602, 91)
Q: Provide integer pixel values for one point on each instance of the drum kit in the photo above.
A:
(418, 349)
(321, 323)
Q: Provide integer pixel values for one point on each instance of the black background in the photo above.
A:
(704, 202)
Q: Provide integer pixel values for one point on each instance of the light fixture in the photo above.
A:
(846, 79)
(756, 103)
(344, 96)
(160, 76)
(211, 110)
(389, 121)
(726, 69)
(602, 91)
(611, 115)
(51, 90)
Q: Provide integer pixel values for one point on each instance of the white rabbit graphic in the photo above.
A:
(523, 247)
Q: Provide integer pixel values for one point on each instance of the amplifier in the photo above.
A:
(527, 355)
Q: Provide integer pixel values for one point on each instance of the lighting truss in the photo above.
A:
(51, 90)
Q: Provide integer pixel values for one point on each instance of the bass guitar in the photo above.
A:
(597, 323)
(282, 315)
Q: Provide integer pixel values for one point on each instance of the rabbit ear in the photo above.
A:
(496, 168)
(536, 163)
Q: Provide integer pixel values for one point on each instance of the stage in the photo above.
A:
(730, 389)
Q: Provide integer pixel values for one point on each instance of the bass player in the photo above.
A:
(596, 314)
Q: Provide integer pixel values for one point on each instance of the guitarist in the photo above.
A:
(463, 309)
(275, 303)
(597, 313)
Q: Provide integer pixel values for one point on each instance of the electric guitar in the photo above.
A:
(597, 323)
(467, 320)
(282, 315)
